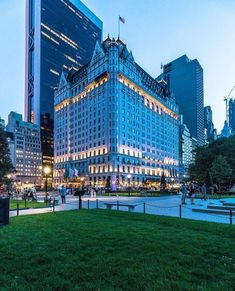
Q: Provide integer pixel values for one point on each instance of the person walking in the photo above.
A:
(204, 192)
(63, 194)
(184, 193)
(78, 192)
(192, 192)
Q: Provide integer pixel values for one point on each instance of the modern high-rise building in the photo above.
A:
(210, 131)
(115, 125)
(226, 131)
(186, 150)
(185, 79)
(25, 148)
(59, 34)
(231, 114)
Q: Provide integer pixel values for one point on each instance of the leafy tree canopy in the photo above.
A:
(163, 181)
(5, 161)
(212, 159)
(221, 170)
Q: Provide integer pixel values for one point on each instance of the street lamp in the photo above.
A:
(82, 182)
(129, 182)
(47, 171)
(8, 183)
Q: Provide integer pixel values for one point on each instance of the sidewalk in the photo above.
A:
(166, 206)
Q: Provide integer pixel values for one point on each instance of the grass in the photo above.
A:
(109, 250)
(23, 205)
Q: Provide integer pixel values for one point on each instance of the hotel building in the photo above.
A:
(114, 124)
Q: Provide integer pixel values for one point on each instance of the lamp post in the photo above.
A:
(129, 182)
(9, 176)
(82, 183)
(47, 171)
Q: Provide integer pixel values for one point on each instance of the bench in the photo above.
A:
(131, 207)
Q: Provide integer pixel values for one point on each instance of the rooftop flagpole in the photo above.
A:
(120, 19)
(118, 26)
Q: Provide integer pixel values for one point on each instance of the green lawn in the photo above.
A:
(22, 205)
(109, 250)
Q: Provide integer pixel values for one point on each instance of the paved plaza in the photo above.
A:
(165, 205)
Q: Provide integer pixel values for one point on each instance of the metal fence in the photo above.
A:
(177, 210)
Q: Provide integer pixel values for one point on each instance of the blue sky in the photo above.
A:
(157, 31)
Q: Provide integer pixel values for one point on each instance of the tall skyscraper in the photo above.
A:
(59, 34)
(115, 125)
(211, 132)
(185, 79)
(231, 114)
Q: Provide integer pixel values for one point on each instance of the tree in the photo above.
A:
(163, 181)
(228, 151)
(203, 160)
(206, 155)
(221, 170)
(5, 160)
(209, 180)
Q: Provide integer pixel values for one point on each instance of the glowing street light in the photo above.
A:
(47, 171)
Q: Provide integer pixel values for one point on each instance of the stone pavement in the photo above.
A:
(165, 205)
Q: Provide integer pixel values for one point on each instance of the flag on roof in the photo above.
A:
(122, 19)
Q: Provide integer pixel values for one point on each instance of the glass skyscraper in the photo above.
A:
(232, 115)
(60, 34)
(211, 132)
(185, 78)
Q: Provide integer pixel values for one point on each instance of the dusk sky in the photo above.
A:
(157, 31)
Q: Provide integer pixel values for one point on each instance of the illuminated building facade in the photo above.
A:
(59, 34)
(25, 148)
(112, 119)
(186, 150)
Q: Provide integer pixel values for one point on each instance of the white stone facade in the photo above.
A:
(113, 120)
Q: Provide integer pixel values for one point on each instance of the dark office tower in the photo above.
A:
(211, 133)
(59, 34)
(231, 108)
(185, 78)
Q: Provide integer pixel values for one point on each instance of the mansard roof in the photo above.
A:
(75, 74)
(159, 87)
